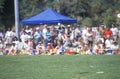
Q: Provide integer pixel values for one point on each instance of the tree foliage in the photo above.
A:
(1, 11)
(93, 12)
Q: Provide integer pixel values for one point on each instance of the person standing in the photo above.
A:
(37, 35)
(107, 33)
(44, 31)
(48, 38)
(8, 36)
(114, 31)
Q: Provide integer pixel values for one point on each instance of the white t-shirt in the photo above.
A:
(114, 30)
(77, 31)
(108, 43)
(8, 34)
(13, 34)
(114, 47)
(44, 31)
(84, 31)
(25, 37)
(72, 35)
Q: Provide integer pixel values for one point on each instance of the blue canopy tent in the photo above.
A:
(49, 16)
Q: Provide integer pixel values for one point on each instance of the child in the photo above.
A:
(108, 44)
(13, 49)
(59, 49)
(25, 48)
(75, 43)
(30, 46)
(80, 46)
(96, 48)
(49, 48)
(7, 49)
(115, 47)
(39, 48)
(86, 47)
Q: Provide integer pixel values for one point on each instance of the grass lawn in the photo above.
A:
(60, 67)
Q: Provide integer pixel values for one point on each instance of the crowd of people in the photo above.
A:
(63, 39)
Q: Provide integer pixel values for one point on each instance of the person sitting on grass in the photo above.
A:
(30, 46)
(7, 49)
(68, 42)
(108, 44)
(39, 48)
(115, 47)
(97, 48)
(59, 49)
(86, 47)
(80, 46)
(25, 48)
(75, 43)
(13, 49)
(49, 48)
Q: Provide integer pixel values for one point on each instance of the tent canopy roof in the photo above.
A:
(48, 16)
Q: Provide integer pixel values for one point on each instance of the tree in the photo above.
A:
(1, 5)
(93, 12)
(1, 11)
(28, 8)
(87, 22)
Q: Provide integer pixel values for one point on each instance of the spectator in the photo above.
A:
(68, 42)
(37, 35)
(77, 32)
(44, 31)
(7, 49)
(40, 48)
(13, 49)
(27, 29)
(53, 33)
(98, 48)
(49, 48)
(107, 33)
(2, 34)
(8, 36)
(25, 49)
(48, 38)
(108, 44)
(114, 32)
(86, 47)
(84, 31)
(97, 33)
(59, 49)
(30, 45)
(115, 47)
(89, 36)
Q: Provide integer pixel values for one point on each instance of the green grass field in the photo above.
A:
(60, 67)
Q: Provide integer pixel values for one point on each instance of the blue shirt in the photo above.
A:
(48, 34)
(37, 34)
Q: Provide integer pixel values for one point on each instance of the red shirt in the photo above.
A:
(107, 33)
